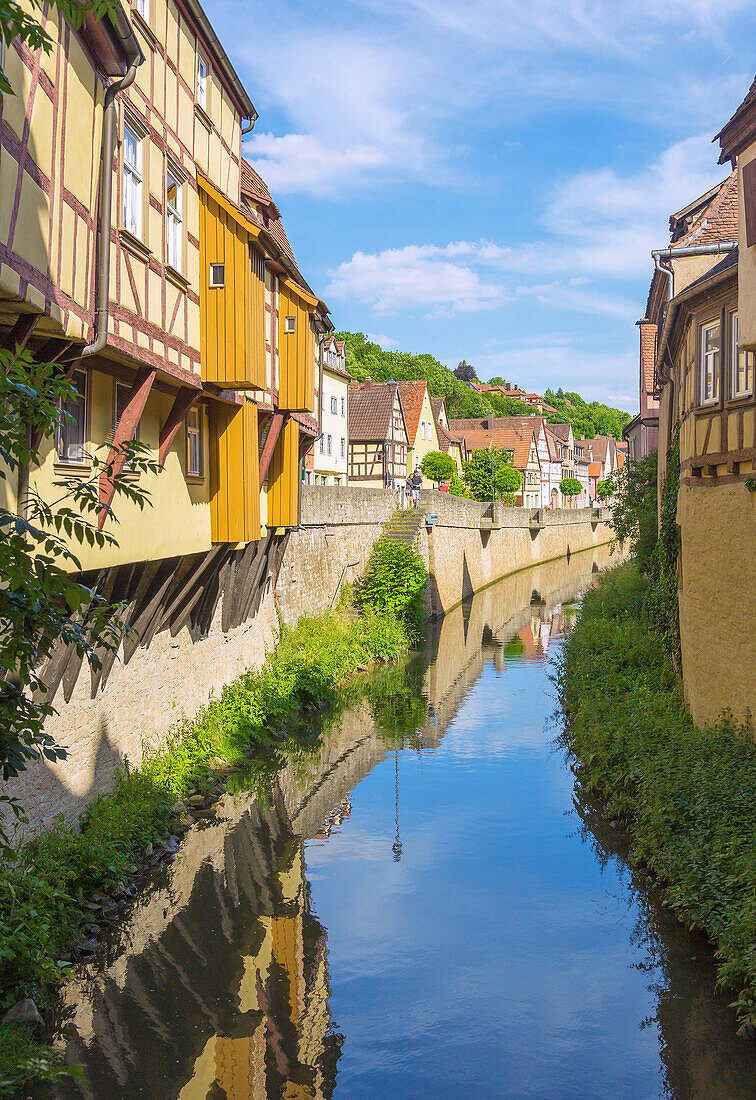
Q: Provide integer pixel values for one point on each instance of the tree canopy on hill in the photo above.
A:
(365, 359)
(587, 418)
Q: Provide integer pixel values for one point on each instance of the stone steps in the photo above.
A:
(403, 527)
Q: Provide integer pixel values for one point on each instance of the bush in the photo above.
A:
(394, 583)
(685, 793)
(438, 466)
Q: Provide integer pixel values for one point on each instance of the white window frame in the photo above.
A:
(217, 276)
(174, 225)
(194, 432)
(322, 444)
(132, 182)
(749, 360)
(343, 406)
(422, 428)
(79, 378)
(334, 406)
(343, 447)
(709, 399)
(204, 72)
(329, 445)
(290, 325)
(142, 8)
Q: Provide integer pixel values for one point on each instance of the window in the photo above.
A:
(217, 275)
(322, 445)
(173, 235)
(194, 442)
(343, 447)
(330, 444)
(710, 360)
(343, 406)
(143, 7)
(73, 421)
(290, 324)
(742, 364)
(203, 79)
(422, 428)
(132, 181)
(334, 406)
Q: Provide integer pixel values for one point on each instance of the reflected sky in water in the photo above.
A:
(424, 908)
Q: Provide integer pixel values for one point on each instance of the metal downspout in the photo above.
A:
(134, 53)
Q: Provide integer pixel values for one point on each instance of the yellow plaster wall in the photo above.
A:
(718, 599)
(416, 454)
(178, 519)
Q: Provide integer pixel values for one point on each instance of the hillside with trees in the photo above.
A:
(364, 359)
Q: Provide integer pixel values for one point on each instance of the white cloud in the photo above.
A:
(388, 343)
(303, 162)
(412, 277)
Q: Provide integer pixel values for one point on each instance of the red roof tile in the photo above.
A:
(370, 410)
(412, 395)
(716, 223)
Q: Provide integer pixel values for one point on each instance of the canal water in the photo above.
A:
(423, 907)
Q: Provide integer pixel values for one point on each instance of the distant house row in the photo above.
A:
(534, 400)
(545, 454)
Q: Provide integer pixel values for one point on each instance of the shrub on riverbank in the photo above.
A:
(686, 794)
(274, 710)
(394, 583)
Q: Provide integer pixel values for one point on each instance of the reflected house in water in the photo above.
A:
(219, 984)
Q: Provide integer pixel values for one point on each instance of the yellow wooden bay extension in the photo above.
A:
(232, 295)
(296, 343)
(283, 479)
(234, 473)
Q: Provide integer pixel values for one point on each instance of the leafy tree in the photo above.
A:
(41, 601)
(570, 487)
(635, 508)
(559, 394)
(457, 488)
(16, 21)
(394, 582)
(477, 474)
(497, 380)
(438, 466)
(605, 488)
(464, 372)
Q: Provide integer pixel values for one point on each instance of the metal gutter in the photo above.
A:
(221, 57)
(134, 57)
(691, 291)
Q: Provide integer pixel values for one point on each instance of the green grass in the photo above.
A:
(275, 712)
(686, 794)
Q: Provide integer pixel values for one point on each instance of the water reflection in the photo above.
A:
(465, 883)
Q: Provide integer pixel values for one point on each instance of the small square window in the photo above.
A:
(217, 275)
(290, 324)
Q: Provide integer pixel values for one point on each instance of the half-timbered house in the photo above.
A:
(378, 439)
(701, 292)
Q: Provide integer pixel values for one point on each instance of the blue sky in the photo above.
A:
(485, 178)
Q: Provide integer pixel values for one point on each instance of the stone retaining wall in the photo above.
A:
(176, 675)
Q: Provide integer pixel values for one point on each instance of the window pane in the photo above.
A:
(71, 433)
(129, 148)
(711, 350)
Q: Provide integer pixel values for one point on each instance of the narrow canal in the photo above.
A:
(424, 908)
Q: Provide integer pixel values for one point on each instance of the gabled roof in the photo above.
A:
(561, 431)
(711, 219)
(412, 395)
(740, 131)
(515, 433)
(371, 408)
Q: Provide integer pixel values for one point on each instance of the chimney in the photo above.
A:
(368, 382)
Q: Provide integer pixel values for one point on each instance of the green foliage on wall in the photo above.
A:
(635, 515)
(663, 606)
(394, 583)
(685, 794)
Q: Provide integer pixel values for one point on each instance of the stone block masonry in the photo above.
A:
(470, 547)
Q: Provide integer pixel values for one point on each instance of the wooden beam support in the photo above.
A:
(182, 403)
(274, 431)
(125, 431)
(20, 334)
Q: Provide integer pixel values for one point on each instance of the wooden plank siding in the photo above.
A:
(283, 479)
(232, 316)
(296, 378)
(234, 476)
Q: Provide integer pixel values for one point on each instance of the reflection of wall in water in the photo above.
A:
(525, 605)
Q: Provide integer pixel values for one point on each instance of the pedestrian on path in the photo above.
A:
(416, 481)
